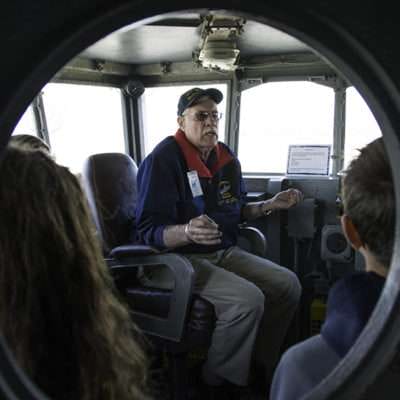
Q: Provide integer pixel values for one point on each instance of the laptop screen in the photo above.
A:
(308, 160)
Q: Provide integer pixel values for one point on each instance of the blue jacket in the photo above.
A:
(165, 196)
(350, 304)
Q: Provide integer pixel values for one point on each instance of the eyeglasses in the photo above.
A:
(202, 116)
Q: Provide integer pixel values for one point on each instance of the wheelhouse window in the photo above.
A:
(26, 125)
(278, 114)
(361, 126)
(159, 112)
(83, 120)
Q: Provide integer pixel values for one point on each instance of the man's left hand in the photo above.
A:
(286, 199)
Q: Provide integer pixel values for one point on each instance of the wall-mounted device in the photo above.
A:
(334, 246)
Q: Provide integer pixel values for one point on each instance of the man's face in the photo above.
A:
(201, 129)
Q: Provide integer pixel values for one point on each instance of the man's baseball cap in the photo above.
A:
(192, 96)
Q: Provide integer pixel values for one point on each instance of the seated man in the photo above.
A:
(191, 198)
(368, 222)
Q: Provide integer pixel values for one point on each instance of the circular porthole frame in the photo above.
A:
(339, 42)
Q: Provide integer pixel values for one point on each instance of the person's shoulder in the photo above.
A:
(302, 354)
(226, 148)
(357, 281)
(165, 155)
(228, 155)
(165, 146)
(164, 150)
(302, 367)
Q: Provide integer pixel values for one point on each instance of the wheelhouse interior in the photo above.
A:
(121, 93)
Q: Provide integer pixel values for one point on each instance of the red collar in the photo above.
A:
(193, 160)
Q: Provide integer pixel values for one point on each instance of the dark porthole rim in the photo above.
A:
(371, 353)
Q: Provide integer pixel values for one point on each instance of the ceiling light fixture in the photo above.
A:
(218, 45)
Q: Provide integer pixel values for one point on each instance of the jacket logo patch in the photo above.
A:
(225, 195)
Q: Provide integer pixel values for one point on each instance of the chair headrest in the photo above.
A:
(109, 180)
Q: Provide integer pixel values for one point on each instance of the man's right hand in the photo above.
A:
(203, 230)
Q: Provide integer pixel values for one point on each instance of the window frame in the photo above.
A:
(334, 83)
(42, 116)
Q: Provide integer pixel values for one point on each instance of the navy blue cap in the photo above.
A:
(191, 97)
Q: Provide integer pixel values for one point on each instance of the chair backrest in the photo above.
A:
(109, 180)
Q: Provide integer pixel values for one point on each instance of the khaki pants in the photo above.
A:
(254, 301)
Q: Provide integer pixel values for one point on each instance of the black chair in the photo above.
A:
(177, 320)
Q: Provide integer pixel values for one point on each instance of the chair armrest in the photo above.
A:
(255, 239)
(172, 327)
(130, 250)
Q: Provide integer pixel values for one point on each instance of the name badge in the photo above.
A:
(194, 183)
